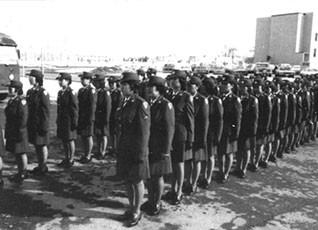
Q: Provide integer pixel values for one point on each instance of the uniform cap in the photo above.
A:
(286, 83)
(156, 81)
(36, 73)
(86, 75)
(141, 72)
(15, 84)
(277, 80)
(178, 74)
(152, 72)
(195, 81)
(209, 82)
(66, 76)
(270, 85)
(298, 80)
(227, 78)
(258, 82)
(129, 76)
(99, 77)
(114, 79)
(245, 82)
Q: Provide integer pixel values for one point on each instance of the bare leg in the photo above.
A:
(188, 168)
(210, 168)
(195, 174)
(131, 198)
(103, 146)
(180, 178)
(138, 195)
(268, 150)
(228, 164)
(158, 189)
(259, 152)
(246, 160)
(71, 147)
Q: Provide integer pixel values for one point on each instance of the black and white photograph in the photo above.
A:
(158, 114)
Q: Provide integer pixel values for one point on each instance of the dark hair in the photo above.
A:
(161, 89)
(19, 91)
(183, 83)
(134, 86)
(39, 80)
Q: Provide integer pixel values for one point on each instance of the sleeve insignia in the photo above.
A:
(73, 92)
(93, 91)
(23, 102)
(145, 104)
(169, 105)
(45, 92)
(107, 92)
(206, 101)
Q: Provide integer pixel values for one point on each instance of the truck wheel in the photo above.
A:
(3, 96)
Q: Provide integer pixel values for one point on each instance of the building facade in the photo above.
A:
(287, 38)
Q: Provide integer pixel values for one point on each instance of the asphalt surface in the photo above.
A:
(284, 196)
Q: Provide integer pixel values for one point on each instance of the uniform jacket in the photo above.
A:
(16, 120)
(116, 98)
(86, 106)
(232, 116)
(162, 126)
(291, 109)
(201, 119)
(265, 113)
(215, 120)
(103, 107)
(299, 109)
(305, 104)
(184, 116)
(249, 120)
(315, 91)
(143, 92)
(283, 110)
(39, 109)
(274, 124)
(133, 121)
(67, 109)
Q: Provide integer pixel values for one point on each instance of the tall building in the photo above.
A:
(287, 38)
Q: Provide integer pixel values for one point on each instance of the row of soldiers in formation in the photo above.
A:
(159, 127)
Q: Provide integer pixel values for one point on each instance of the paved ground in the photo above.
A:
(284, 196)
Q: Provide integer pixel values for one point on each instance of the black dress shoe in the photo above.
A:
(19, 178)
(263, 164)
(177, 199)
(243, 174)
(62, 163)
(126, 215)
(69, 164)
(145, 207)
(134, 220)
(85, 160)
(205, 184)
(37, 171)
(272, 158)
(168, 195)
(155, 210)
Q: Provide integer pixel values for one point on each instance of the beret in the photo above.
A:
(66, 76)
(86, 75)
(129, 76)
(245, 82)
(36, 73)
(258, 82)
(228, 78)
(99, 77)
(195, 81)
(156, 81)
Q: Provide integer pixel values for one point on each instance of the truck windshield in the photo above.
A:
(8, 55)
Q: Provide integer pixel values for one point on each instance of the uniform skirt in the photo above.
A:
(199, 154)
(17, 147)
(178, 152)
(101, 130)
(159, 166)
(65, 133)
(132, 171)
(226, 147)
(261, 140)
(271, 138)
(36, 139)
(86, 131)
(245, 143)
(2, 147)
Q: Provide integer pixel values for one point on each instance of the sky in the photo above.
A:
(140, 27)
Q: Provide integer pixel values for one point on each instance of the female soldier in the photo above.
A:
(161, 134)
(38, 119)
(16, 133)
(67, 114)
(86, 115)
(2, 150)
(102, 114)
(133, 120)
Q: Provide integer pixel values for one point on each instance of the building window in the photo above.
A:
(314, 52)
(316, 36)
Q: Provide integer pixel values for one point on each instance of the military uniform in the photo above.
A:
(249, 123)
(231, 124)
(274, 123)
(184, 125)
(133, 121)
(283, 114)
(264, 118)
(67, 114)
(116, 98)
(2, 148)
(86, 110)
(201, 125)
(102, 112)
(16, 133)
(39, 115)
(161, 135)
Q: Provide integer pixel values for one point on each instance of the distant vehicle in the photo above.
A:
(262, 67)
(218, 71)
(201, 70)
(285, 70)
(9, 63)
(186, 68)
(296, 68)
(168, 68)
(308, 72)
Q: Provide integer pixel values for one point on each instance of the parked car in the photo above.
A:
(296, 68)
(168, 68)
(308, 72)
(201, 70)
(262, 67)
(285, 70)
